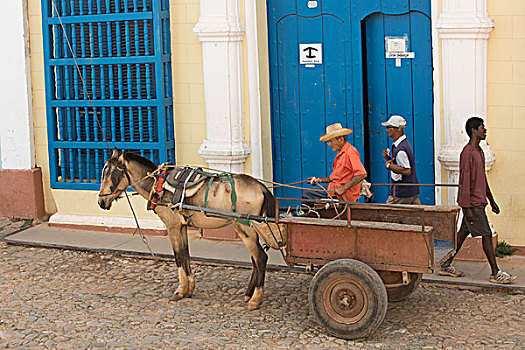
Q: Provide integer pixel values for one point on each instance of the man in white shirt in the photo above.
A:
(401, 164)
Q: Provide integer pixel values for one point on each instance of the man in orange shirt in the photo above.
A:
(348, 172)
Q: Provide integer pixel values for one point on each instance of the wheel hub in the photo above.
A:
(345, 300)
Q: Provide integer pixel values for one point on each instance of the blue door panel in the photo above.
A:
(364, 8)
(311, 90)
(422, 103)
(422, 6)
(394, 6)
(335, 107)
(354, 71)
(289, 118)
(377, 102)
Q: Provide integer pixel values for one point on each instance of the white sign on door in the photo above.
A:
(396, 44)
(397, 47)
(310, 54)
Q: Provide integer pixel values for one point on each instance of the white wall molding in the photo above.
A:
(220, 31)
(17, 144)
(464, 28)
(106, 221)
(452, 27)
(216, 28)
(436, 77)
(254, 101)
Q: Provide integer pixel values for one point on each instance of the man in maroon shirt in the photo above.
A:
(473, 193)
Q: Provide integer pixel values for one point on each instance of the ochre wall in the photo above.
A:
(39, 99)
(506, 117)
(188, 82)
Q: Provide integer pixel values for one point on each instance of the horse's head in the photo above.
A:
(114, 181)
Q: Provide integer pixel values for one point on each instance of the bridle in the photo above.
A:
(121, 169)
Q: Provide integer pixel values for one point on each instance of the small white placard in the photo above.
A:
(312, 4)
(310, 53)
(400, 55)
(396, 44)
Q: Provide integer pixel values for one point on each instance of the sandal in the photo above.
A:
(502, 278)
(450, 271)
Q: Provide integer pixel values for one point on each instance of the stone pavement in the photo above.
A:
(234, 253)
(70, 299)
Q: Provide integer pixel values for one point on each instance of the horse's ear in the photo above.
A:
(115, 153)
(121, 158)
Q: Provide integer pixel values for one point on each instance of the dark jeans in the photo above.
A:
(313, 195)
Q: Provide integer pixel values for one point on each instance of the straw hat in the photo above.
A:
(333, 131)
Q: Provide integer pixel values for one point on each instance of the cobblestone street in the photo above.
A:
(61, 299)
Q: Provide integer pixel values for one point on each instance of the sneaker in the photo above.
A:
(450, 271)
(502, 277)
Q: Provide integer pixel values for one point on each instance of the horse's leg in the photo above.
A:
(187, 267)
(259, 259)
(176, 234)
(251, 285)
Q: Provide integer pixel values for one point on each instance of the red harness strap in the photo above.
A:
(158, 190)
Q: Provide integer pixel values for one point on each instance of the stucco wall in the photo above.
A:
(188, 82)
(39, 98)
(506, 116)
(16, 139)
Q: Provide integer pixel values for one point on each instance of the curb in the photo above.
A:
(480, 287)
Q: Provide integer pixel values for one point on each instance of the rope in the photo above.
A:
(166, 165)
(80, 73)
(144, 239)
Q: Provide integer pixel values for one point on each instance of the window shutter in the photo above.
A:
(122, 48)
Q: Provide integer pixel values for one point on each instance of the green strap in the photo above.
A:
(233, 194)
(207, 191)
(225, 177)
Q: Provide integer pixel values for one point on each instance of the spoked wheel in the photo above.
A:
(348, 298)
(402, 292)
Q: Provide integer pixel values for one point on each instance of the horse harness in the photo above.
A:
(178, 181)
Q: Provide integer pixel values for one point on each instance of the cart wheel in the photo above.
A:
(401, 293)
(348, 298)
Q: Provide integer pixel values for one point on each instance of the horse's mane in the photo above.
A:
(130, 156)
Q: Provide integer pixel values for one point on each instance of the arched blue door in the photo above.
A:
(307, 97)
(403, 87)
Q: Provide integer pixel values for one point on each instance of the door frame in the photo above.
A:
(259, 85)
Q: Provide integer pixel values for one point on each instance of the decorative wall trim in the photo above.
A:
(17, 140)
(254, 101)
(464, 28)
(214, 29)
(220, 31)
(106, 221)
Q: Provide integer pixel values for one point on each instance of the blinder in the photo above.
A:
(115, 177)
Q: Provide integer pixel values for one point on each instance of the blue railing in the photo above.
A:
(122, 96)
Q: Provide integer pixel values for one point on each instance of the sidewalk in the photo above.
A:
(234, 253)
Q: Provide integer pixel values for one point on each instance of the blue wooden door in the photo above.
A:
(354, 74)
(307, 98)
(403, 88)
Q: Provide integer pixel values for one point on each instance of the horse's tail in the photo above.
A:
(268, 207)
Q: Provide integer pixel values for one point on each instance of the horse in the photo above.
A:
(126, 169)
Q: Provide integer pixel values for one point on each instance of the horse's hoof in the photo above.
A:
(247, 298)
(253, 305)
(176, 297)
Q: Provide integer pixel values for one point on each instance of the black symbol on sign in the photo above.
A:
(309, 54)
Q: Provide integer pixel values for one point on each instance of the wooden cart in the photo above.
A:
(370, 255)
(363, 256)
